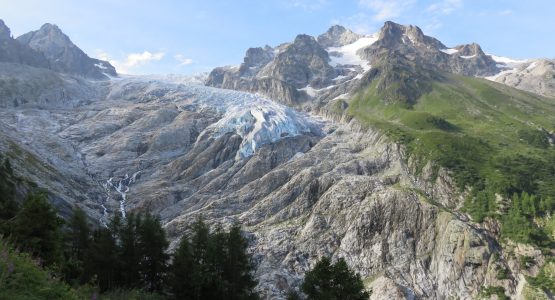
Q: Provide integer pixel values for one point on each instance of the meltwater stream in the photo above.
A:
(121, 188)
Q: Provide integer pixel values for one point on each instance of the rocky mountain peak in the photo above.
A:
(393, 34)
(258, 56)
(64, 56)
(4, 30)
(470, 50)
(48, 39)
(337, 36)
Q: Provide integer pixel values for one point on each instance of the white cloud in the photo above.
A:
(183, 61)
(131, 61)
(386, 9)
(445, 7)
(506, 12)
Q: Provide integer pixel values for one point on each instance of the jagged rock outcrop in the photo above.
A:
(12, 51)
(339, 62)
(63, 55)
(409, 42)
(337, 36)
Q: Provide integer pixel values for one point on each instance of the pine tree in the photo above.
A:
(238, 268)
(129, 254)
(329, 281)
(79, 234)
(152, 252)
(8, 204)
(102, 260)
(201, 265)
(37, 229)
(78, 237)
(181, 271)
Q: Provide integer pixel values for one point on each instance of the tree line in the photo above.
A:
(131, 254)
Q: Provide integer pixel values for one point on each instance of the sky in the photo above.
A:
(187, 37)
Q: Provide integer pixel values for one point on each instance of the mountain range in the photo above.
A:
(383, 149)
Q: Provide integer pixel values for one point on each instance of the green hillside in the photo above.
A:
(493, 138)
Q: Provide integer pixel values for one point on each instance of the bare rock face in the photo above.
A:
(536, 76)
(63, 55)
(337, 36)
(13, 52)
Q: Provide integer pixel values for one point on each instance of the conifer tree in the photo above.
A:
(8, 204)
(37, 229)
(129, 253)
(329, 281)
(181, 271)
(102, 261)
(78, 238)
(152, 245)
(238, 268)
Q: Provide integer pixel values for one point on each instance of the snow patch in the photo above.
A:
(507, 61)
(449, 51)
(101, 66)
(502, 73)
(347, 55)
(309, 90)
(532, 65)
(468, 56)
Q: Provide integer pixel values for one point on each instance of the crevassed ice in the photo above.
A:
(263, 122)
(256, 119)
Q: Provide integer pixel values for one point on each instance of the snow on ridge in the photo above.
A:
(449, 51)
(347, 55)
(100, 66)
(507, 61)
(468, 56)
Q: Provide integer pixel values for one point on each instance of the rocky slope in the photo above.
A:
(302, 184)
(533, 75)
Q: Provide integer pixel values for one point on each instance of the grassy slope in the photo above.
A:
(486, 133)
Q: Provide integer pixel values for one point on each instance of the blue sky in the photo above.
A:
(143, 37)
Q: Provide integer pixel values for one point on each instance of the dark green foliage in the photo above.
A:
(37, 229)
(129, 250)
(534, 138)
(518, 223)
(181, 279)
(481, 205)
(8, 203)
(238, 268)
(329, 281)
(503, 274)
(545, 279)
(494, 290)
(293, 295)
(212, 265)
(78, 238)
(441, 123)
(21, 278)
(152, 244)
(102, 261)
